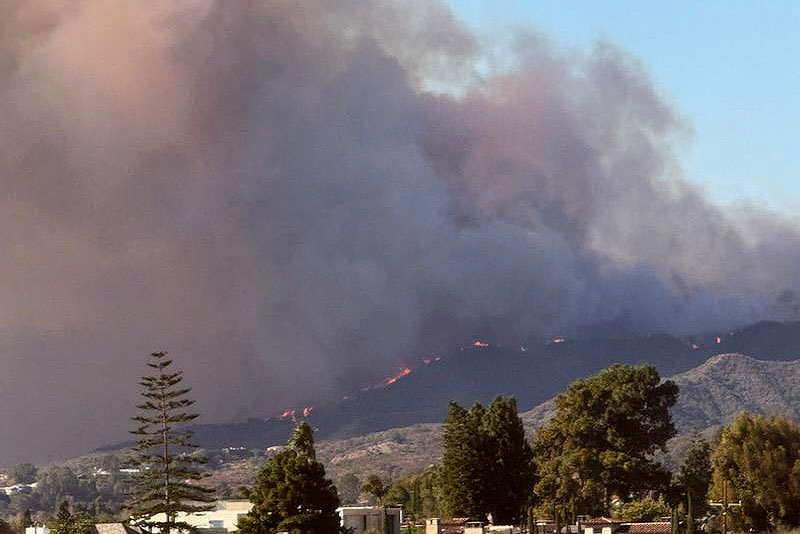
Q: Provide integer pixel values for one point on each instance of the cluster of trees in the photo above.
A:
(98, 495)
(487, 464)
(594, 457)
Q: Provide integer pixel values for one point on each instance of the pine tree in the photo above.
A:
(486, 462)
(167, 483)
(512, 474)
(292, 494)
(68, 523)
(695, 477)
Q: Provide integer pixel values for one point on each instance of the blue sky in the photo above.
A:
(730, 68)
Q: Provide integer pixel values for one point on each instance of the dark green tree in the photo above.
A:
(694, 477)
(24, 473)
(68, 523)
(759, 457)
(349, 487)
(376, 487)
(511, 475)
(601, 440)
(292, 494)
(643, 509)
(56, 483)
(398, 494)
(168, 481)
(486, 462)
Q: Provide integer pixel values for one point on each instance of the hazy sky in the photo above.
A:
(278, 194)
(728, 66)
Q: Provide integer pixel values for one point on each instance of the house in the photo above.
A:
(114, 528)
(464, 526)
(606, 525)
(223, 518)
(385, 520)
(456, 525)
(37, 530)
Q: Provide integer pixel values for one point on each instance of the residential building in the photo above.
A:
(114, 528)
(605, 525)
(223, 518)
(385, 520)
(464, 526)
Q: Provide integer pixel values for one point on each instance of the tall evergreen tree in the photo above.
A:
(512, 474)
(167, 483)
(292, 494)
(694, 478)
(486, 462)
(68, 523)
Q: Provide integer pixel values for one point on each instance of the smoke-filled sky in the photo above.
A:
(295, 197)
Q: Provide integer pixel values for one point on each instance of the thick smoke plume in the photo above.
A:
(272, 192)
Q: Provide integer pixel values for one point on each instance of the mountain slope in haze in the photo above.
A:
(710, 395)
(728, 384)
(479, 373)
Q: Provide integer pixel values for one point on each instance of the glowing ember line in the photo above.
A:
(400, 374)
(480, 344)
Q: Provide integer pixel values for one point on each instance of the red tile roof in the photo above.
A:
(657, 527)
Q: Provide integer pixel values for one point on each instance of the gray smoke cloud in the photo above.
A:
(272, 192)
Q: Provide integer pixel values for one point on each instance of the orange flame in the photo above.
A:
(395, 377)
(717, 340)
(287, 414)
(557, 340)
(307, 411)
(523, 348)
(480, 344)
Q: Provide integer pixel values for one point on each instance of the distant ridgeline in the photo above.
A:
(533, 374)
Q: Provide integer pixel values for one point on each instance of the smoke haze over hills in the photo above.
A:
(272, 192)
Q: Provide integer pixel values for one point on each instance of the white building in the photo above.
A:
(224, 516)
(37, 530)
(385, 520)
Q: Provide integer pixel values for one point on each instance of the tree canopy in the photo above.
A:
(292, 493)
(68, 523)
(601, 440)
(486, 462)
(24, 473)
(694, 478)
(760, 457)
(376, 487)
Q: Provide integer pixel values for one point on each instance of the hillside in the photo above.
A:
(727, 384)
(711, 395)
(533, 374)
